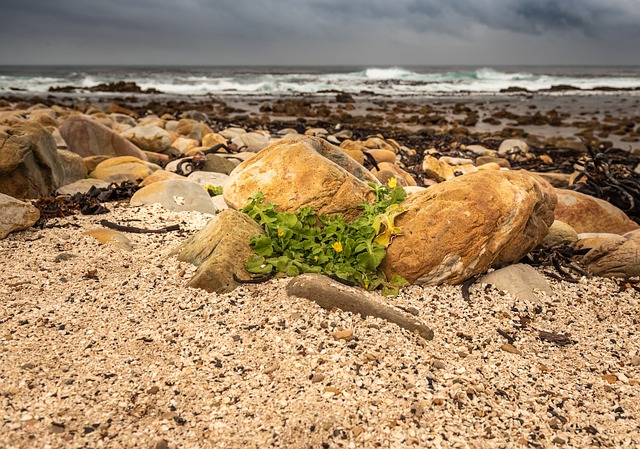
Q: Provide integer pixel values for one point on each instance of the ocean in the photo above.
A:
(318, 80)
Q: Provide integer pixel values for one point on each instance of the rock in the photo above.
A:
(560, 180)
(230, 133)
(157, 158)
(213, 139)
(30, 166)
(82, 186)
(193, 129)
(437, 170)
(590, 240)
(616, 257)
(520, 281)
(124, 168)
(293, 174)
(220, 250)
(460, 228)
(111, 237)
(92, 162)
(379, 143)
(89, 138)
(16, 215)
(588, 214)
(502, 162)
(511, 146)
(560, 234)
(73, 167)
(397, 172)
(148, 138)
(185, 144)
(208, 178)
(355, 149)
(252, 142)
(383, 156)
(175, 195)
(330, 294)
(384, 176)
(218, 164)
(160, 175)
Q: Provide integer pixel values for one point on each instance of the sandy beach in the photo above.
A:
(103, 345)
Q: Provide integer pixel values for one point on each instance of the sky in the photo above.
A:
(320, 32)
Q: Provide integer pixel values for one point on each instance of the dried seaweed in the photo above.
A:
(561, 259)
(89, 203)
(612, 182)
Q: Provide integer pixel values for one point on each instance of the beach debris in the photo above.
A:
(330, 294)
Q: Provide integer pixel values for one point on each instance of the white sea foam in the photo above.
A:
(379, 80)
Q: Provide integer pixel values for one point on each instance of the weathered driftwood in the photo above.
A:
(331, 294)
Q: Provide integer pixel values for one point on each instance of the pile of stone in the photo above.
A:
(463, 215)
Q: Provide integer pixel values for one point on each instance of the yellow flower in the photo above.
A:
(280, 232)
(392, 183)
(337, 247)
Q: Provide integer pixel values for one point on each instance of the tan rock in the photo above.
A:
(383, 156)
(502, 162)
(160, 175)
(437, 170)
(73, 167)
(616, 257)
(213, 139)
(175, 195)
(111, 237)
(92, 162)
(123, 168)
(460, 228)
(354, 149)
(397, 171)
(559, 180)
(30, 165)
(588, 214)
(252, 142)
(193, 129)
(294, 173)
(148, 138)
(89, 138)
(381, 144)
(220, 250)
(16, 215)
(489, 166)
(560, 234)
(510, 146)
(185, 144)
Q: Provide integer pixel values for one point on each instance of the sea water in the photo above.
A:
(281, 80)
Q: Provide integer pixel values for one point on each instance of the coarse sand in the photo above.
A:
(104, 347)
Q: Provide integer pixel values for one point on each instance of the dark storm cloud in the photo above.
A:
(318, 31)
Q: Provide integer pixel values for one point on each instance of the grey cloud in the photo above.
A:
(309, 31)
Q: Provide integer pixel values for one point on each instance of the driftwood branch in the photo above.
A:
(330, 294)
(117, 227)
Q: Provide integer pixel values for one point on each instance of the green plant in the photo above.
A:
(304, 242)
(213, 190)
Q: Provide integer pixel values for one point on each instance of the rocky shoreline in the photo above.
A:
(109, 335)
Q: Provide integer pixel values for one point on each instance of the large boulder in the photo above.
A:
(618, 256)
(220, 250)
(89, 138)
(585, 213)
(16, 215)
(30, 166)
(148, 138)
(298, 172)
(460, 228)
